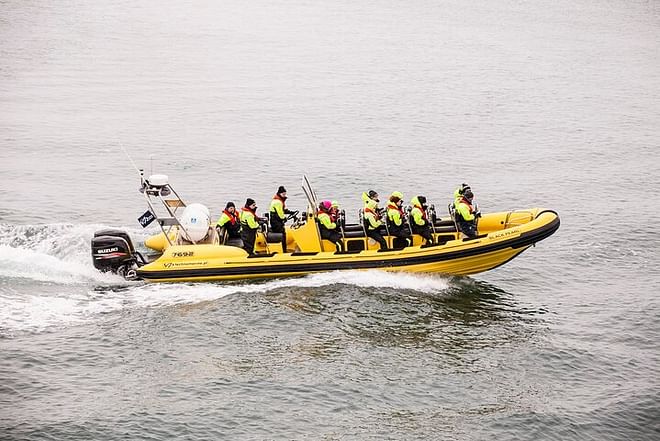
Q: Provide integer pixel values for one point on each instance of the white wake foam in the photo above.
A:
(35, 313)
(47, 280)
(24, 263)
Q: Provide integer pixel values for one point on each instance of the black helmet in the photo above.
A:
(421, 199)
(464, 187)
(281, 189)
(230, 204)
(373, 195)
(468, 194)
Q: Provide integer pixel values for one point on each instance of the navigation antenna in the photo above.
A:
(121, 144)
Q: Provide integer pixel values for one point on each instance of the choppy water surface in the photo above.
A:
(534, 104)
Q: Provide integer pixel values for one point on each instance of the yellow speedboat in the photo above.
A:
(502, 236)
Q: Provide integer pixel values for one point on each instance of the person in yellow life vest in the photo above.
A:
(466, 214)
(278, 213)
(249, 225)
(328, 227)
(334, 211)
(372, 223)
(419, 221)
(230, 220)
(396, 220)
(458, 193)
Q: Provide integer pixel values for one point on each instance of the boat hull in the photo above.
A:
(503, 241)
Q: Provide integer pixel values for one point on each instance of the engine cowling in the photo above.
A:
(113, 251)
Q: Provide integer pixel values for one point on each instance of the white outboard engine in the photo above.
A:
(195, 220)
(113, 251)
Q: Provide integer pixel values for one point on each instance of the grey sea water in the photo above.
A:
(552, 104)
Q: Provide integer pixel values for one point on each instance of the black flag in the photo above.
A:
(147, 218)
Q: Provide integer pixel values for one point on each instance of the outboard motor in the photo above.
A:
(112, 250)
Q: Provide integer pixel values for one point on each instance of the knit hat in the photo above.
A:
(249, 202)
(281, 189)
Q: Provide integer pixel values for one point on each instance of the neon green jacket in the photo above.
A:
(248, 219)
(417, 212)
(224, 219)
(394, 214)
(372, 220)
(366, 199)
(457, 196)
(277, 206)
(324, 219)
(464, 209)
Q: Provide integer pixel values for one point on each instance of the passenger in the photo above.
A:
(327, 226)
(231, 222)
(373, 223)
(334, 211)
(458, 193)
(373, 196)
(278, 213)
(466, 215)
(249, 225)
(419, 220)
(396, 220)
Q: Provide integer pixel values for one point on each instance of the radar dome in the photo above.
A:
(198, 206)
(195, 221)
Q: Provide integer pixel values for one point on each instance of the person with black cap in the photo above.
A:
(231, 223)
(278, 213)
(419, 220)
(249, 225)
(466, 213)
(458, 193)
(371, 195)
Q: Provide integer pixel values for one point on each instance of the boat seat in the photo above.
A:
(354, 234)
(274, 237)
(445, 229)
(352, 227)
(444, 223)
(235, 242)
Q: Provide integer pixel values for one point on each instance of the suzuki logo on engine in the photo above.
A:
(107, 250)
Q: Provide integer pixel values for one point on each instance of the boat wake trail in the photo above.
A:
(47, 281)
(20, 263)
(35, 313)
(169, 294)
(54, 253)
